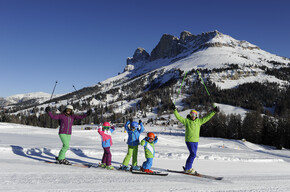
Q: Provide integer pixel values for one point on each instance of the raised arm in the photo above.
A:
(207, 118)
(126, 125)
(100, 131)
(55, 117)
(142, 126)
(178, 117)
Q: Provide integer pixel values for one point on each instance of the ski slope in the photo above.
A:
(245, 166)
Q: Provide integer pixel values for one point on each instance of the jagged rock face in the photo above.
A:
(186, 37)
(170, 46)
(167, 47)
(139, 55)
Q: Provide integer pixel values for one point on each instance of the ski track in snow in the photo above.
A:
(245, 166)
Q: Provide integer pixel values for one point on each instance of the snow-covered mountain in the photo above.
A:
(207, 51)
(37, 97)
(223, 60)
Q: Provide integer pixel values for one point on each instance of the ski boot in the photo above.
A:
(57, 161)
(125, 168)
(148, 171)
(110, 167)
(190, 171)
(136, 168)
(62, 161)
(103, 165)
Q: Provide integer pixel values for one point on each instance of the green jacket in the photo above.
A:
(192, 128)
(149, 148)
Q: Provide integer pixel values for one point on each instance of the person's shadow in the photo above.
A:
(46, 155)
(80, 153)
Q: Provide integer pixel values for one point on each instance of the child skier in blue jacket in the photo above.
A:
(133, 142)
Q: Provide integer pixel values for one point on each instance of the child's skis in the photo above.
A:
(196, 175)
(145, 173)
(83, 165)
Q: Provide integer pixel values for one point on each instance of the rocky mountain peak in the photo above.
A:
(186, 36)
(167, 47)
(140, 54)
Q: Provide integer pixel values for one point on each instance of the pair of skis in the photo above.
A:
(158, 173)
(196, 175)
(83, 165)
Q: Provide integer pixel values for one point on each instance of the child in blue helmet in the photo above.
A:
(133, 142)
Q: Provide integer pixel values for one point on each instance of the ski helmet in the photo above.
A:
(193, 113)
(151, 135)
(106, 124)
(134, 124)
(69, 107)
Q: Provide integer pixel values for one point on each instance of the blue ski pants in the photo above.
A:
(148, 163)
(192, 147)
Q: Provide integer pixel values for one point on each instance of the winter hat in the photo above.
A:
(193, 113)
(69, 107)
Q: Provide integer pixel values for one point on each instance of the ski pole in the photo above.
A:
(52, 92)
(180, 87)
(202, 82)
(79, 94)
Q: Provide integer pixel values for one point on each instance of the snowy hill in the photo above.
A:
(245, 166)
(37, 97)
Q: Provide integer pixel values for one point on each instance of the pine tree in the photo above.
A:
(252, 127)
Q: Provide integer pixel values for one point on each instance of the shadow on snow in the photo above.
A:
(46, 155)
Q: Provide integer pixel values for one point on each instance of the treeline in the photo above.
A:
(268, 123)
(256, 128)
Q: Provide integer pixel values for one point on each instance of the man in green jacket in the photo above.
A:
(192, 131)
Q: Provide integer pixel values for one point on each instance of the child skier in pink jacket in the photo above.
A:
(105, 133)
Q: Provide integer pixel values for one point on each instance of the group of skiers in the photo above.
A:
(192, 132)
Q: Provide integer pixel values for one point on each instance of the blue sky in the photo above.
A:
(83, 42)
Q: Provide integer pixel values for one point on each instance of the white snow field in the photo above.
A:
(245, 166)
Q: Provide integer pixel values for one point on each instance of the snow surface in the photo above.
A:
(245, 166)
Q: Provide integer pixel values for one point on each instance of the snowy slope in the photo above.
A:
(40, 97)
(244, 166)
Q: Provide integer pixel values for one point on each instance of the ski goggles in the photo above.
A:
(150, 139)
(193, 114)
(106, 127)
(132, 128)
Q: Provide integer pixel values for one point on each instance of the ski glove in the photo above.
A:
(47, 109)
(216, 109)
(89, 112)
(140, 121)
(173, 106)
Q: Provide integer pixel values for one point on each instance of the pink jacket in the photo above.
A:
(106, 137)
